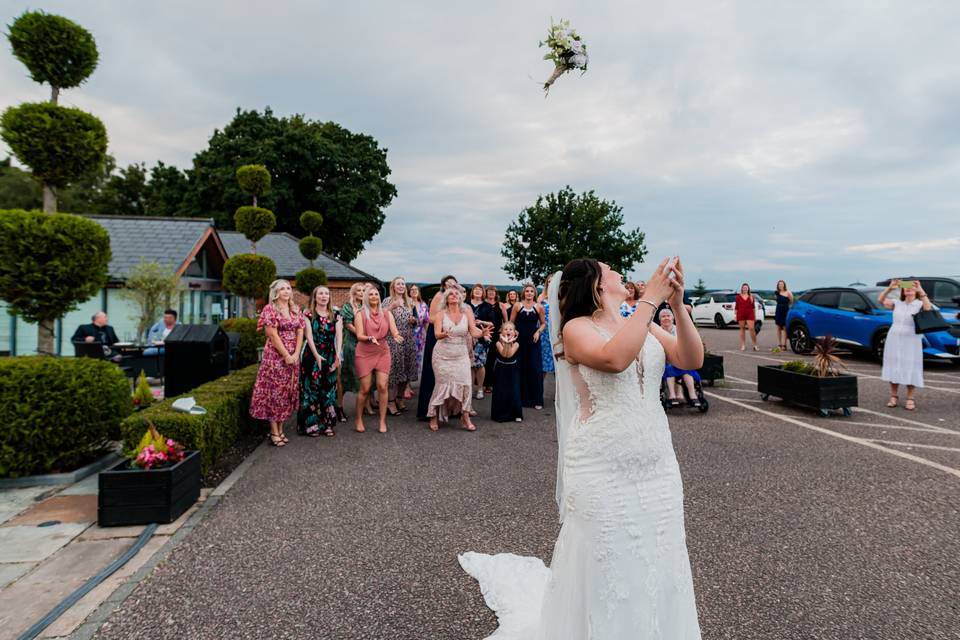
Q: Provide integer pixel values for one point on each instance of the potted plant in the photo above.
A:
(712, 368)
(819, 386)
(157, 483)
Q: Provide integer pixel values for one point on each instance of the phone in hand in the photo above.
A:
(908, 284)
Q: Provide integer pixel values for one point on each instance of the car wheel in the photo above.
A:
(719, 321)
(879, 342)
(799, 338)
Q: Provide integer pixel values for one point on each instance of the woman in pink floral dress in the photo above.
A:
(276, 392)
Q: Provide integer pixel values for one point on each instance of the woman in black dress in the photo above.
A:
(319, 366)
(483, 313)
(506, 405)
(784, 298)
(427, 380)
(529, 319)
(492, 297)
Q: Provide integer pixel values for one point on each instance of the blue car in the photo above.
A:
(855, 318)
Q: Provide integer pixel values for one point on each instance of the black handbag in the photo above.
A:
(929, 321)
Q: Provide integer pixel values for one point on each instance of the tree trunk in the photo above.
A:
(254, 200)
(54, 94)
(49, 199)
(45, 338)
(253, 248)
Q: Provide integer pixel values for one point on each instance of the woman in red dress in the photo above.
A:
(373, 324)
(746, 310)
(276, 392)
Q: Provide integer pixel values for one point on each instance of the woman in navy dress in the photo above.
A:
(784, 298)
(529, 319)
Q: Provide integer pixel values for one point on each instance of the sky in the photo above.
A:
(814, 142)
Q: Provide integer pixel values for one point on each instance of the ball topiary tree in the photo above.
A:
(247, 274)
(254, 179)
(310, 248)
(59, 144)
(49, 263)
(254, 223)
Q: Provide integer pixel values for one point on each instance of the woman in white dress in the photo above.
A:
(903, 350)
(620, 568)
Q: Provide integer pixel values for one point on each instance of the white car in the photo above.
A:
(770, 306)
(717, 309)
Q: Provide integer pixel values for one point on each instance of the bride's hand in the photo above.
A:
(676, 297)
(659, 286)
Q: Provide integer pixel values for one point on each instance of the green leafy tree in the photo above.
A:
(564, 225)
(59, 144)
(18, 189)
(166, 192)
(247, 274)
(153, 288)
(318, 166)
(310, 248)
(49, 263)
(254, 179)
(700, 289)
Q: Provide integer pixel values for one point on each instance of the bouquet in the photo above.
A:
(156, 451)
(567, 51)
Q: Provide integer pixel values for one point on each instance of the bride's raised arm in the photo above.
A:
(685, 350)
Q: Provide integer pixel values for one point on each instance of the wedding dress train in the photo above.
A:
(620, 568)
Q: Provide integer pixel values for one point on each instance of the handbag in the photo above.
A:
(928, 321)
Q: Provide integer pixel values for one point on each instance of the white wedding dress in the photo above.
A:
(620, 568)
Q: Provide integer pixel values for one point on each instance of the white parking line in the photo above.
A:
(842, 436)
(890, 416)
(911, 444)
(841, 421)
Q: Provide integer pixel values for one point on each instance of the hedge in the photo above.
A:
(57, 414)
(227, 401)
(250, 338)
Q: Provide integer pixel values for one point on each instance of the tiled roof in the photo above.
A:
(284, 249)
(167, 241)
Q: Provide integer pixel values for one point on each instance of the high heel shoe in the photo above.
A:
(276, 441)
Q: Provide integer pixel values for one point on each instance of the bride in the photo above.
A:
(620, 568)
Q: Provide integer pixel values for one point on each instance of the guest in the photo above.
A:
(746, 312)
(97, 331)
(641, 288)
(483, 313)
(373, 353)
(420, 331)
(528, 317)
(512, 299)
(159, 332)
(784, 299)
(425, 392)
(628, 306)
(347, 368)
(903, 350)
(506, 405)
(403, 356)
(452, 325)
(671, 373)
(275, 393)
(318, 367)
(546, 349)
(492, 296)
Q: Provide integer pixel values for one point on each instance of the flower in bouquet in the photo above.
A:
(156, 451)
(567, 51)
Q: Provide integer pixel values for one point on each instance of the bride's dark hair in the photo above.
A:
(579, 292)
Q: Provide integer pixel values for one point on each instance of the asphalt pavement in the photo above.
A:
(798, 526)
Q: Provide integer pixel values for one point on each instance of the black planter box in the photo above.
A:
(823, 394)
(712, 368)
(129, 495)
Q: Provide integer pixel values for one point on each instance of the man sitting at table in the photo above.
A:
(97, 331)
(159, 332)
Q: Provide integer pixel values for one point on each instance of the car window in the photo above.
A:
(944, 293)
(727, 297)
(825, 299)
(850, 301)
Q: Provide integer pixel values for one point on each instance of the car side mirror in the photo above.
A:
(863, 310)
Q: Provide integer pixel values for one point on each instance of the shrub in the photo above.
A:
(60, 144)
(57, 414)
(308, 279)
(311, 221)
(249, 275)
(254, 179)
(798, 366)
(250, 338)
(54, 49)
(310, 248)
(254, 222)
(227, 401)
(143, 394)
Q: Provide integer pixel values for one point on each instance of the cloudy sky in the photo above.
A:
(817, 142)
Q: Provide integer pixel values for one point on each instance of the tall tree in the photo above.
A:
(316, 166)
(167, 190)
(18, 189)
(564, 225)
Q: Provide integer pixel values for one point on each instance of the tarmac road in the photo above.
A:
(798, 526)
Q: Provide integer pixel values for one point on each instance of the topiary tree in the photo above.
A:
(254, 180)
(310, 248)
(48, 264)
(254, 223)
(152, 287)
(59, 144)
(247, 274)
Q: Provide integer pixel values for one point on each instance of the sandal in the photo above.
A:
(276, 440)
(341, 414)
(434, 426)
(469, 426)
(328, 432)
(674, 402)
(910, 404)
(893, 402)
(284, 438)
(392, 411)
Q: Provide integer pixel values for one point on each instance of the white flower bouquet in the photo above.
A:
(567, 51)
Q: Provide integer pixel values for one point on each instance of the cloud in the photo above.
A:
(906, 247)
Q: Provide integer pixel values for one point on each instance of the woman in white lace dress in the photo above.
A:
(620, 568)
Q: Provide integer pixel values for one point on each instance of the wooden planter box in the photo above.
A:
(712, 368)
(139, 496)
(822, 394)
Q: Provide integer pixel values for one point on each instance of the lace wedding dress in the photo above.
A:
(620, 568)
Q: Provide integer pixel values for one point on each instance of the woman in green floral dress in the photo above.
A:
(319, 366)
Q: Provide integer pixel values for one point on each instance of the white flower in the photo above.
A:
(579, 61)
(576, 46)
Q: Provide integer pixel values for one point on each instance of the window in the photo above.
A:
(850, 301)
(825, 299)
(726, 297)
(943, 293)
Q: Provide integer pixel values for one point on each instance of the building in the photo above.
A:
(197, 252)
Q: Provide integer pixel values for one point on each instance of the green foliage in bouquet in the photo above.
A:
(567, 51)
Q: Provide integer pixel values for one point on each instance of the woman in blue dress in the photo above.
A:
(528, 317)
(546, 349)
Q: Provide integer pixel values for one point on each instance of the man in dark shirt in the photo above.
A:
(97, 331)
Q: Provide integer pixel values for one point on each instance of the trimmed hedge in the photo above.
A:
(57, 414)
(227, 401)
(250, 338)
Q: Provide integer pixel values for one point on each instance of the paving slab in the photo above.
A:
(33, 544)
(13, 501)
(10, 571)
(88, 486)
(72, 508)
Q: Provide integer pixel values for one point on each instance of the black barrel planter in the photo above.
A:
(814, 392)
(129, 495)
(712, 368)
